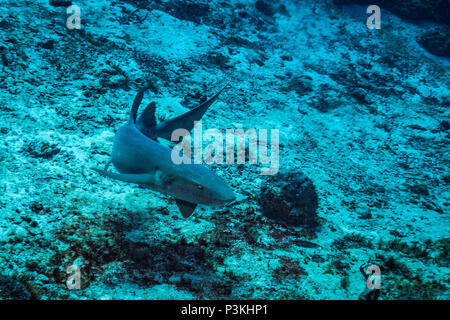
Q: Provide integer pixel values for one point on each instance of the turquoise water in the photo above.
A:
(353, 120)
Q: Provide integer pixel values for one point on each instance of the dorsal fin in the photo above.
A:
(147, 118)
(186, 208)
(185, 121)
(134, 109)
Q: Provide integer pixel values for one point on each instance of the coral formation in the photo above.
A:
(290, 198)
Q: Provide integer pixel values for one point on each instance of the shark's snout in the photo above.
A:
(224, 193)
(230, 197)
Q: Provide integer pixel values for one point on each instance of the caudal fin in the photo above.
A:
(185, 121)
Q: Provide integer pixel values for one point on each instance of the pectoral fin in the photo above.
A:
(139, 178)
(186, 208)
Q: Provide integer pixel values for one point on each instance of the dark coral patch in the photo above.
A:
(290, 198)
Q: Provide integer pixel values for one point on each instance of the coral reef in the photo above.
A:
(290, 198)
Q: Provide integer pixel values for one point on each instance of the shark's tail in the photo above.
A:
(134, 109)
(186, 120)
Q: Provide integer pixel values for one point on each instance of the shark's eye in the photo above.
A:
(200, 187)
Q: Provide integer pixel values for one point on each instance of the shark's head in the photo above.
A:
(199, 185)
(214, 189)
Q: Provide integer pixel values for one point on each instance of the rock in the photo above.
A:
(11, 289)
(241, 42)
(415, 10)
(286, 58)
(18, 233)
(300, 85)
(283, 10)
(326, 101)
(42, 149)
(436, 41)
(49, 44)
(444, 125)
(359, 95)
(290, 198)
(114, 82)
(420, 189)
(264, 7)
(188, 10)
(193, 99)
(60, 3)
(37, 207)
(5, 24)
(218, 59)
